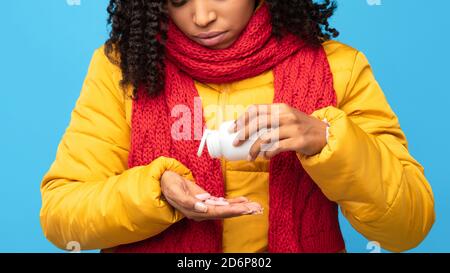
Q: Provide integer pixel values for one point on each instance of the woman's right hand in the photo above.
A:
(196, 204)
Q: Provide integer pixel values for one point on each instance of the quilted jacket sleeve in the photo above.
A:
(88, 194)
(366, 167)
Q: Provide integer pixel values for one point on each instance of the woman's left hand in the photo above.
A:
(292, 130)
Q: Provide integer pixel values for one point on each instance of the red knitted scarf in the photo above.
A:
(301, 218)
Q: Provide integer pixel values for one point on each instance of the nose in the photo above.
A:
(203, 14)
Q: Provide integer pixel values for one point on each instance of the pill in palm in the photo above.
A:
(216, 202)
(203, 196)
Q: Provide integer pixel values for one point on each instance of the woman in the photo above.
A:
(122, 182)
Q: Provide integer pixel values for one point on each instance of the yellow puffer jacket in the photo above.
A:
(90, 196)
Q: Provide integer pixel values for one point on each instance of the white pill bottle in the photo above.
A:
(219, 143)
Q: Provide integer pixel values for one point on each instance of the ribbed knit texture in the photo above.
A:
(301, 218)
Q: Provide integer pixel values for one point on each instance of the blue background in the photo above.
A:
(46, 47)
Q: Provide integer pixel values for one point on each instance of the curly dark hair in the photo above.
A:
(136, 23)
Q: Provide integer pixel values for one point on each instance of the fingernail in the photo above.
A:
(247, 212)
(201, 207)
(253, 206)
(256, 211)
(232, 128)
(249, 158)
(203, 196)
(236, 141)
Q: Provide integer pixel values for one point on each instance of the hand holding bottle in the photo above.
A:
(290, 130)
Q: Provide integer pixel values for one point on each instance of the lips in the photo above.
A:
(208, 35)
(210, 39)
